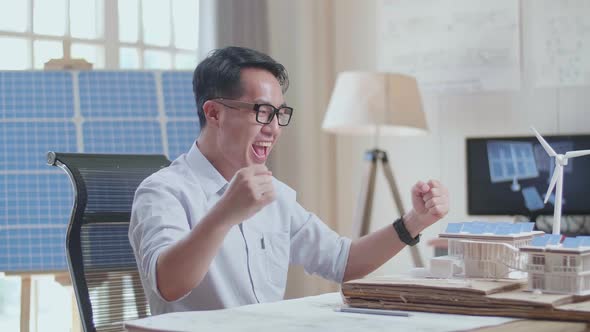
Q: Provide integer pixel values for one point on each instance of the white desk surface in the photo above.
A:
(314, 313)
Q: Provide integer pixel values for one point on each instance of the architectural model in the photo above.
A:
(503, 250)
(484, 250)
(555, 267)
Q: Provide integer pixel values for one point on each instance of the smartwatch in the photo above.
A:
(403, 233)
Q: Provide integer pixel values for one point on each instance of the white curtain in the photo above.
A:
(301, 39)
(232, 23)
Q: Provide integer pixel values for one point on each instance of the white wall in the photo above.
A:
(451, 119)
(324, 37)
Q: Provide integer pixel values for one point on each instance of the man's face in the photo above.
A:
(243, 141)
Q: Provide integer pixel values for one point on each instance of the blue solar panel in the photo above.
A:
(540, 241)
(179, 100)
(490, 228)
(36, 209)
(181, 135)
(35, 199)
(24, 145)
(515, 228)
(511, 160)
(454, 228)
(477, 228)
(144, 137)
(118, 94)
(119, 112)
(532, 198)
(584, 241)
(36, 95)
(527, 226)
(503, 229)
(571, 242)
(467, 227)
(29, 249)
(554, 239)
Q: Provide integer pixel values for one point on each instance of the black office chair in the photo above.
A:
(100, 259)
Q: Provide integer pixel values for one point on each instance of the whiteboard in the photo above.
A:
(458, 45)
(560, 42)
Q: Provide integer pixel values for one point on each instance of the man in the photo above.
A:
(216, 230)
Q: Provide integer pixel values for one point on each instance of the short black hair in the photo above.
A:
(219, 74)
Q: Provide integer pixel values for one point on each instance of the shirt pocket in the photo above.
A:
(277, 247)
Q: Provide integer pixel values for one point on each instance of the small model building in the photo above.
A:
(559, 268)
(484, 250)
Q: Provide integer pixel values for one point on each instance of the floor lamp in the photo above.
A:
(376, 104)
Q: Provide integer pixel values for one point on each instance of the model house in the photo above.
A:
(559, 267)
(484, 250)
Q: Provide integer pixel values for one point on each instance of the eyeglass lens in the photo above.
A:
(266, 113)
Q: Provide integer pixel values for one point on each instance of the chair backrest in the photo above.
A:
(100, 259)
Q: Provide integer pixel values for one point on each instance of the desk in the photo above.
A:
(316, 313)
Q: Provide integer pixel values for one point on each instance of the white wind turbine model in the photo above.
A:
(560, 162)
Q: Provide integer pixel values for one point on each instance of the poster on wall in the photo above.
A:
(451, 46)
(560, 42)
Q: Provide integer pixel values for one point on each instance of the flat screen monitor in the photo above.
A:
(511, 175)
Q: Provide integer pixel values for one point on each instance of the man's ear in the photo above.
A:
(211, 110)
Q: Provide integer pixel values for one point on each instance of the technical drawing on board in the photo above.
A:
(460, 45)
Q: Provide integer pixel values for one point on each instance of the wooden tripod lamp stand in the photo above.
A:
(376, 104)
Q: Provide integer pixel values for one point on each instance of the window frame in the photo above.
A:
(109, 40)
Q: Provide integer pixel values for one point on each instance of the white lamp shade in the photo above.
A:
(362, 100)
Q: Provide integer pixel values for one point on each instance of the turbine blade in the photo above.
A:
(544, 143)
(574, 154)
(553, 182)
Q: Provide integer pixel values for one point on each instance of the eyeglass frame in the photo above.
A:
(256, 107)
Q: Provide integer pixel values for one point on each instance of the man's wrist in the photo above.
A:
(403, 233)
(225, 217)
(413, 224)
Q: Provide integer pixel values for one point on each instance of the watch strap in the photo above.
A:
(403, 233)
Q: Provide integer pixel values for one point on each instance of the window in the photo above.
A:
(539, 260)
(111, 34)
(126, 34)
(569, 261)
(156, 34)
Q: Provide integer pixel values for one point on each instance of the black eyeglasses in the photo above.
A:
(264, 112)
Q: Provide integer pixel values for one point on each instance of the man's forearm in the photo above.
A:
(374, 249)
(182, 266)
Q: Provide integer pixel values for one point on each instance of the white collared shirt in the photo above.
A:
(251, 264)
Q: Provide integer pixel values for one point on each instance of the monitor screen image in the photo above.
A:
(511, 175)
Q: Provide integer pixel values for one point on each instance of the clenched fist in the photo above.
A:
(249, 191)
(430, 202)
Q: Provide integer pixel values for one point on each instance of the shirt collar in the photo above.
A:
(211, 180)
